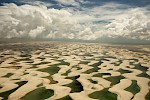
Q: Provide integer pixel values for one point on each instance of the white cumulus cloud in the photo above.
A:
(38, 21)
(136, 25)
(34, 21)
(68, 2)
(72, 2)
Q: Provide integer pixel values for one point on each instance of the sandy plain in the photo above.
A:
(74, 71)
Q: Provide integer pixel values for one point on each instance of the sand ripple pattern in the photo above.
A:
(74, 71)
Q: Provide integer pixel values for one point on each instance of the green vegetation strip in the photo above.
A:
(143, 69)
(117, 63)
(103, 95)
(63, 63)
(39, 94)
(122, 71)
(95, 69)
(25, 55)
(147, 97)
(75, 85)
(54, 68)
(41, 63)
(145, 75)
(94, 82)
(84, 62)
(51, 70)
(100, 74)
(149, 83)
(7, 93)
(8, 75)
(140, 67)
(97, 64)
(51, 80)
(133, 88)
(69, 71)
(66, 98)
(114, 79)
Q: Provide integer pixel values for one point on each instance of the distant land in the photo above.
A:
(106, 40)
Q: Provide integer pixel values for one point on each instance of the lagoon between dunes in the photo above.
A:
(74, 71)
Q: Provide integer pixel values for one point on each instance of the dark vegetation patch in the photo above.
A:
(143, 69)
(84, 62)
(7, 93)
(42, 58)
(149, 83)
(122, 71)
(33, 66)
(136, 60)
(133, 88)
(144, 75)
(147, 97)
(117, 63)
(101, 74)
(103, 95)
(92, 81)
(97, 64)
(39, 94)
(51, 80)
(110, 69)
(23, 59)
(25, 55)
(107, 56)
(41, 63)
(95, 68)
(140, 67)
(66, 98)
(115, 79)
(8, 75)
(41, 84)
(62, 62)
(51, 70)
(69, 70)
(75, 85)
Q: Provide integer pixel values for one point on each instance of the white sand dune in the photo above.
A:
(143, 84)
(28, 87)
(61, 79)
(80, 57)
(59, 91)
(119, 89)
(80, 96)
(104, 83)
(5, 71)
(7, 87)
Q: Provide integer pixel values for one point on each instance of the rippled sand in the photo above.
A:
(74, 71)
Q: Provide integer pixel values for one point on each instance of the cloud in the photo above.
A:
(135, 26)
(38, 21)
(69, 2)
(34, 21)
(107, 12)
(28, 21)
(75, 3)
(116, 20)
(36, 2)
(86, 34)
(35, 32)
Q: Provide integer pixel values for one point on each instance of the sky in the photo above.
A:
(90, 20)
